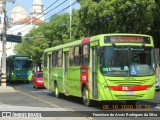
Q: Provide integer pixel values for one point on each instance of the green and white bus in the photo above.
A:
(103, 67)
(19, 68)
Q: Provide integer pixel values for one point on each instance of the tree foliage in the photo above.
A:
(110, 16)
(95, 17)
(34, 47)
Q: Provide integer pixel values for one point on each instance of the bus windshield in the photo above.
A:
(127, 61)
(22, 65)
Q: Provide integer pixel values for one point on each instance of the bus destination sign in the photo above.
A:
(22, 57)
(126, 39)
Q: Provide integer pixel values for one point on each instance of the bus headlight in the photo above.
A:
(149, 87)
(13, 73)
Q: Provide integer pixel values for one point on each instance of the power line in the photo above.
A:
(53, 15)
(61, 10)
(51, 10)
(47, 8)
(56, 7)
(36, 16)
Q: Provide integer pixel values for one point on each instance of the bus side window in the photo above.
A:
(56, 59)
(77, 56)
(59, 58)
(85, 56)
(53, 59)
(45, 60)
(71, 56)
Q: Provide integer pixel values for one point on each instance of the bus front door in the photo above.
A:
(94, 73)
(49, 70)
(65, 75)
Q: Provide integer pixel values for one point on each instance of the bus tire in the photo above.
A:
(56, 91)
(86, 100)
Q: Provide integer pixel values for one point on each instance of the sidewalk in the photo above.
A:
(6, 89)
(15, 104)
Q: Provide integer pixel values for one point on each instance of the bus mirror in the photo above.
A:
(98, 49)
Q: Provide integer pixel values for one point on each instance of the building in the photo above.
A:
(20, 23)
(37, 10)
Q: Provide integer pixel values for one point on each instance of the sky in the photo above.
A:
(27, 4)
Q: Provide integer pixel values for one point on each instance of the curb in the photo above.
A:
(6, 89)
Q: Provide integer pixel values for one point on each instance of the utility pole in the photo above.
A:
(70, 19)
(3, 77)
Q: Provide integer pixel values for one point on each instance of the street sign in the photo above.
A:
(13, 38)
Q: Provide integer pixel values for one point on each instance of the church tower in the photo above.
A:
(37, 10)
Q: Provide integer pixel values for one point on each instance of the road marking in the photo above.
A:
(55, 105)
(7, 91)
(41, 91)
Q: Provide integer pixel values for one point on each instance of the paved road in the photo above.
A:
(27, 98)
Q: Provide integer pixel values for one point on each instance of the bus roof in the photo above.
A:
(77, 42)
(16, 56)
(93, 38)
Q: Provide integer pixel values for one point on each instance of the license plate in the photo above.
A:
(130, 93)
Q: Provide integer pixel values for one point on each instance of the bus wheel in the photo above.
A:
(86, 98)
(56, 91)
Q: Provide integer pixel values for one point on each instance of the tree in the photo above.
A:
(55, 32)
(110, 16)
(154, 31)
(120, 16)
(95, 17)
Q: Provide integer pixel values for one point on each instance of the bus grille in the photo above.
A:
(129, 97)
(128, 82)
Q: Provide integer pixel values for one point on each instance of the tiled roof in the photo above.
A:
(29, 20)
